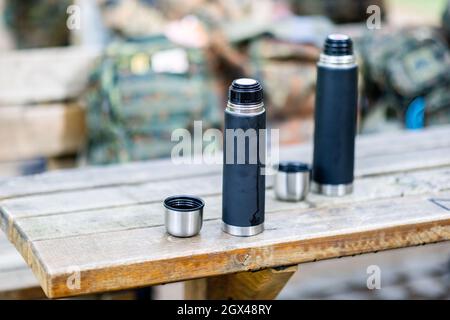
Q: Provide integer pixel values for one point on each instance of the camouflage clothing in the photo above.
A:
(340, 11)
(134, 104)
(285, 61)
(446, 21)
(288, 72)
(405, 65)
(38, 23)
(132, 18)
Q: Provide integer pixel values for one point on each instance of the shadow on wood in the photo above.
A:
(258, 285)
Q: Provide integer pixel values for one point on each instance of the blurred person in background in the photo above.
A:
(404, 71)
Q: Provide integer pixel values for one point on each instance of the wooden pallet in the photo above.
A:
(39, 113)
(41, 131)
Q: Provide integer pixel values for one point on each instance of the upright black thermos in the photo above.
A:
(335, 118)
(244, 159)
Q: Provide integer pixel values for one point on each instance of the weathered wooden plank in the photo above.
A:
(409, 144)
(17, 280)
(144, 231)
(139, 257)
(257, 285)
(155, 191)
(111, 197)
(45, 75)
(387, 163)
(373, 145)
(21, 284)
(43, 227)
(98, 177)
(108, 197)
(41, 131)
(411, 161)
(114, 219)
(49, 218)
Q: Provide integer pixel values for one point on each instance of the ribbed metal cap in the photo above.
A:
(338, 45)
(293, 167)
(245, 91)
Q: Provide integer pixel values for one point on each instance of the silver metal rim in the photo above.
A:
(296, 190)
(245, 109)
(242, 231)
(337, 61)
(183, 224)
(332, 190)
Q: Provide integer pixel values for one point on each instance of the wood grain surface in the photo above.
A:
(105, 225)
(44, 130)
(265, 284)
(44, 75)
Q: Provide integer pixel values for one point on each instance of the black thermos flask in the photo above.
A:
(335, 118)
(243, 196)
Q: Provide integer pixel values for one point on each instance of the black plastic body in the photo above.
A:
(243, 186)
(335, 125)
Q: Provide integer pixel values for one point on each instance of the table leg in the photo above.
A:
(252, 285)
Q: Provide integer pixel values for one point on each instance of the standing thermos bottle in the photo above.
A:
(335, 118)
(243, 196)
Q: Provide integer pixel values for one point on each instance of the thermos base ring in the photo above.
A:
(332, 190)
(243, 231)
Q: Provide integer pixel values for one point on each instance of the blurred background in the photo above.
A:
(96, 82)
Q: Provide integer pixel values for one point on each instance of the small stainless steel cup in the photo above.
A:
(292, 181)
(184, 215)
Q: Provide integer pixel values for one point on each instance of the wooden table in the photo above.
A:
(104, 226)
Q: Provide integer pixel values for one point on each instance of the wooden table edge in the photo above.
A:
(284, 254)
